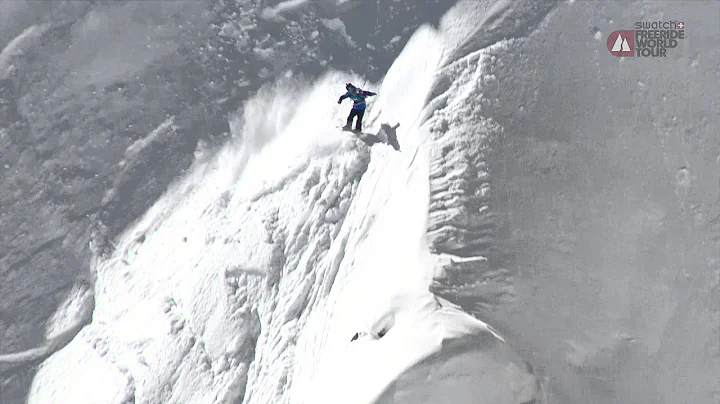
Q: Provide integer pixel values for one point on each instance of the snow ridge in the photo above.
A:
(460, 225)
(307, 237)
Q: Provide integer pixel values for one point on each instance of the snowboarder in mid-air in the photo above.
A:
(358, 96)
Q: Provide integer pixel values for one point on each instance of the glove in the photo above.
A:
(339, 101)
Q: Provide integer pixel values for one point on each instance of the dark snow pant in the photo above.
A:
(355, 113)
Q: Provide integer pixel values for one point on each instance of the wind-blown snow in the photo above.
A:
(249, 278)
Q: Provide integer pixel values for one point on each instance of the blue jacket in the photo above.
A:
(358, 96)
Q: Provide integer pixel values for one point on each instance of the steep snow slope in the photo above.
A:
(94, 77)
(398, 266)
(250, 277)
(179, 307)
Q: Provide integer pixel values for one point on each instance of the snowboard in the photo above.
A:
(344, 129)
(356, 132)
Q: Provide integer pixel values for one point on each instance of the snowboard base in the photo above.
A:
(350, 130)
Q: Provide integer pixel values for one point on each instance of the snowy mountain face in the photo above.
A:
(103, 104)
(546, 233)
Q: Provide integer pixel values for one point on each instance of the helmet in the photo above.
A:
(349, 86)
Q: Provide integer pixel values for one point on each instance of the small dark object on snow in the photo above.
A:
(356, 336)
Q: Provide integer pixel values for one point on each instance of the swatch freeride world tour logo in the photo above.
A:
(648, 39)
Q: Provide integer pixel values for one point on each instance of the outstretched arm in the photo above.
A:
(368, 93)
(342, 97)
